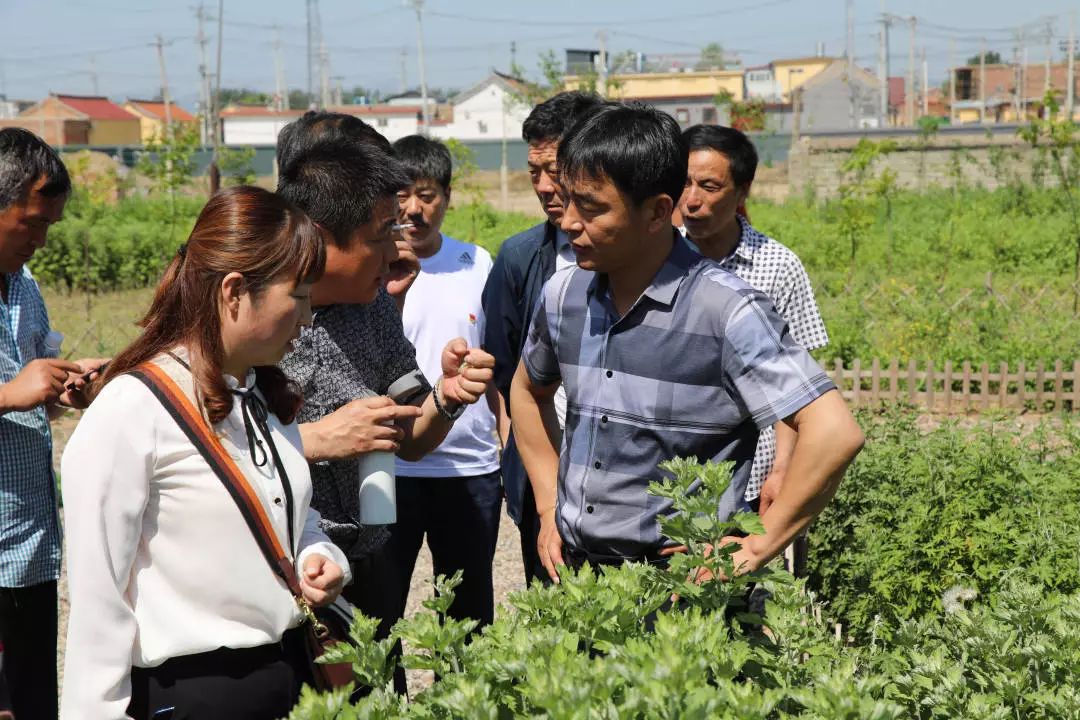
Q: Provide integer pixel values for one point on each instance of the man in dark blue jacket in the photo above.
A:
(524, 264)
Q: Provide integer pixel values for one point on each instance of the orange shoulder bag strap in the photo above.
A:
(198, 431)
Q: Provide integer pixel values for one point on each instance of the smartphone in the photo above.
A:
(409, 389)
(85, 377)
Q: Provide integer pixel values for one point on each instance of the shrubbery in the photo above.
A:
(610, 646)
(921, 513)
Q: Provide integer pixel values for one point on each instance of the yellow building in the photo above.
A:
(793, 74)
(668, 85)
(109, 124)
(151, 116)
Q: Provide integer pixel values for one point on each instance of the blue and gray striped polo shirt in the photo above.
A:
(695, 368)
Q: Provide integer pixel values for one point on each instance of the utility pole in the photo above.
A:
(925, 85)
(601, 39)
(909, 96)
(310, 53)
(165, 89)
(215, 170)
(94, 74)
(1070, 91)
(850, 71)
(883, 68)
(204, 80)
(1049, 52)
(168, 114)
(339, 90)
(1018, 75)
(404, 69)
(418, 6)
(982, 81)
(280, 84)
(952, 81)
(324, 76)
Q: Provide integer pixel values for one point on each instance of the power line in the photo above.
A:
(607, 22)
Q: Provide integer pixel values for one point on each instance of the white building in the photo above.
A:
(246, 125)
(761, 84)
(490, 110)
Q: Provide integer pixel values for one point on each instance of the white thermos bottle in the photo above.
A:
(378, 488)
(378, 482)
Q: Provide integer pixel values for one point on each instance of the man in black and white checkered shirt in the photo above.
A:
(721, 170)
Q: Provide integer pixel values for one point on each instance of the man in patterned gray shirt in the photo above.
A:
(344, 175)
(663, 354)
(721, 170)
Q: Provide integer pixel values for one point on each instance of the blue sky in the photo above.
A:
(57, 45)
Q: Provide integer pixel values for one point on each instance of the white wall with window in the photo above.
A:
(488, 111)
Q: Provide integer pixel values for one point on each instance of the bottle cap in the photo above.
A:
(53, 340)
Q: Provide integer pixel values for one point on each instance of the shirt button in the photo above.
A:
(277, 501)
(603, 419)
(610, 373)
(589, 509)
(596, 464)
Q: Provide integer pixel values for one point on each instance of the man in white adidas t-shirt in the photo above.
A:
(454, 494)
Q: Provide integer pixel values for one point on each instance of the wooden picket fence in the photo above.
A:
(961, 388)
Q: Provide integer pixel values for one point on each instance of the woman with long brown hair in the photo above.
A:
(175, 611)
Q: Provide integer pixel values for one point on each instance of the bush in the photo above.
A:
(611, 646)
(921, 513)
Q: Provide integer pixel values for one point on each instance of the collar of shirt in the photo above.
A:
(562, 247)
(664, 284)
(749, 242)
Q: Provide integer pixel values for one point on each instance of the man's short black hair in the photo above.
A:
(24, 159)
(425, 159)
(335, 167)
(732, 144)
(640, 149)
(552, 118)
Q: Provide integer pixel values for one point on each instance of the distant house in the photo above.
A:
(151, 116)
(244, 125)
(793, 73)
(392, 121)
(490, 110)
(80, 120)
(1005, 87)
(690, 97)
(760, 83)
(830, 100)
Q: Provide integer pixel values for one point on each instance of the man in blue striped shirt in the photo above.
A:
(34, 187)
(662, 354)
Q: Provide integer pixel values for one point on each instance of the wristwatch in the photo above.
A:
(450, 415)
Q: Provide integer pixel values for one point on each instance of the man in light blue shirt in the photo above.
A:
(34, 186)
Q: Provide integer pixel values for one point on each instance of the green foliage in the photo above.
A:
(169, 163)
(938, 275)
(127, 244)
(744, 115)
(711, 58)
(920, 513)
(612, 645)
(236, 165)
(993, 57)
(470, 218)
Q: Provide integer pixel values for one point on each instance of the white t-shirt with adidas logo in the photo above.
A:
(444, 303)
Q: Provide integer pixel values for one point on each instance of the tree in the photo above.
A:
(243, 96)
(745, 116)
(299, 100)
(992, 58)
(712, 58)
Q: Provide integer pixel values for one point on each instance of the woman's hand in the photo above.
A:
(321, 580)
